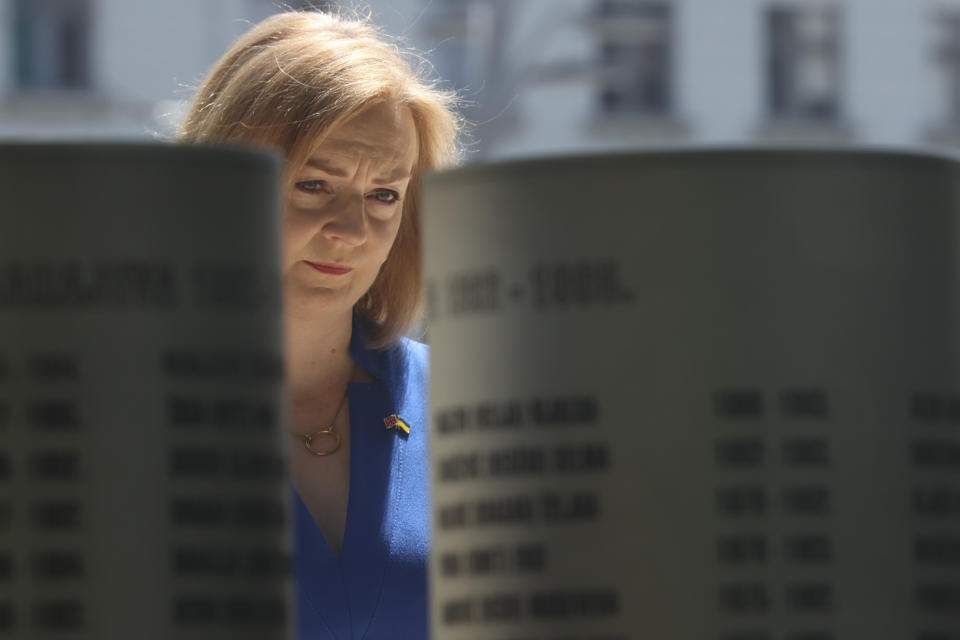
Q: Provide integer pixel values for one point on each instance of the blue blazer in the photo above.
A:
(377, 588)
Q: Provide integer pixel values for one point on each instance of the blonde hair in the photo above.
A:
(292, 79)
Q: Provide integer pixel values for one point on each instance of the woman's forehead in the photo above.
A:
(356, 148)
(383, 133)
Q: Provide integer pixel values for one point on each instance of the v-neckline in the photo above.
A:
(365, 553)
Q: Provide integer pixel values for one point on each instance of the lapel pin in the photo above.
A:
(394, 421)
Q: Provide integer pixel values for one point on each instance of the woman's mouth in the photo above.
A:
(330, 268)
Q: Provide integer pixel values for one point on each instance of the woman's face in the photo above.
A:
(344, 209)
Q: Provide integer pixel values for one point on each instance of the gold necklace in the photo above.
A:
(326, 431)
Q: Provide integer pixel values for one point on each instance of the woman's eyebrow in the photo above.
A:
(398, 174)
(323, 165)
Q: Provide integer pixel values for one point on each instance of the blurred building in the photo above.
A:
(554, 76)
(115, 69)
(538, 76)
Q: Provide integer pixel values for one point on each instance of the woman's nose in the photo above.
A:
(346, 221)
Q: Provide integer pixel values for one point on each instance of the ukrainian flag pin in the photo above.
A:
(394, 421)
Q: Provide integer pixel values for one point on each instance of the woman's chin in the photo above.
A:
(318, 302)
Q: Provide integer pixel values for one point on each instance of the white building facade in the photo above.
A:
(582, 75)
(110, 69)
(538, 76)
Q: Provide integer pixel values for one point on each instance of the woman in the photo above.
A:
(358, 128)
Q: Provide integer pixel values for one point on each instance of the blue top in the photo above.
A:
(377, 587)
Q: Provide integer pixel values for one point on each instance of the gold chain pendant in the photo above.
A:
(308, 441)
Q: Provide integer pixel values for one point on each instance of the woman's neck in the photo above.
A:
(318, 361)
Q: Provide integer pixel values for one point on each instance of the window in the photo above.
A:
(947, 56)
(52, 44)
(803, 56)
(636, 57)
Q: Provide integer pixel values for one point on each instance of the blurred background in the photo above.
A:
(537, 76)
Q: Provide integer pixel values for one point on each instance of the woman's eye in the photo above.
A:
(311, 186)
(387, 197)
